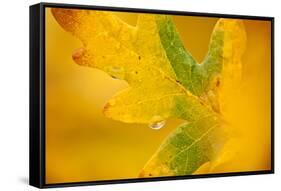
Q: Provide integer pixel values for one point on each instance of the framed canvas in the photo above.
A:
(121, 95)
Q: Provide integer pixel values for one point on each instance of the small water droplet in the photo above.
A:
(157, 125)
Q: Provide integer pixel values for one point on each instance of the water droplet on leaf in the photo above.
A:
(157, 125)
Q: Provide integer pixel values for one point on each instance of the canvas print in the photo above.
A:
(141, 95)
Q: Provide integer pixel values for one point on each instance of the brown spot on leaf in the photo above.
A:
(218, 83)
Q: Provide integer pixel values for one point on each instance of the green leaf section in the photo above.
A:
(190, 146)
(194, 76)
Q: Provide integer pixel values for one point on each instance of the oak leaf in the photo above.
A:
(165, 81)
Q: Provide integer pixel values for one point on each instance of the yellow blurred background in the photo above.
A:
(83, 145)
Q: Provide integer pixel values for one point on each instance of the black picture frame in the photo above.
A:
(37, 95)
